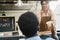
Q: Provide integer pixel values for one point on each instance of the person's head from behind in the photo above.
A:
(28, 24)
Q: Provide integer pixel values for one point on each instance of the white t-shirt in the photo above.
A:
(37, 38)
(34, 38)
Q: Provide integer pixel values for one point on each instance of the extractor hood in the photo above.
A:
(8, 1)
(11, 5)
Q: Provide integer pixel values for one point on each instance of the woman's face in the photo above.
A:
(44, 5)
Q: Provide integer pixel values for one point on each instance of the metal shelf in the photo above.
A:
(4, 7)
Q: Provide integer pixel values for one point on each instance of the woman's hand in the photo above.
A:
(50, 24)
(54, 34)
(56, 38)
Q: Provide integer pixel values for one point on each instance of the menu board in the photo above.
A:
(7, 24)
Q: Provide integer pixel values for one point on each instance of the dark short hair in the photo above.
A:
(43, 1)
(28, 24)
